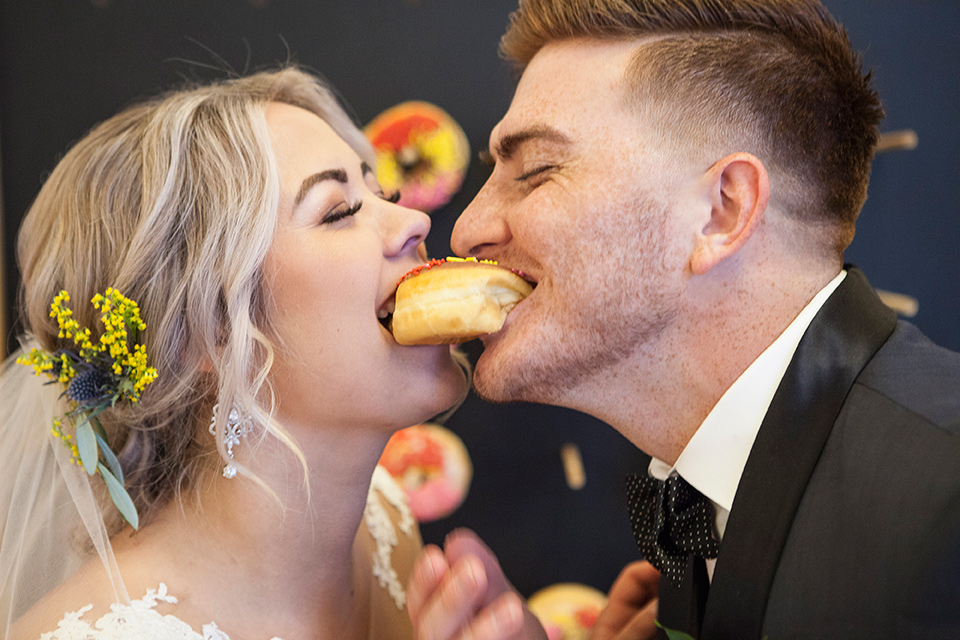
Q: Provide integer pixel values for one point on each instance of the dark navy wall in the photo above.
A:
(908, 237)
(66, 65)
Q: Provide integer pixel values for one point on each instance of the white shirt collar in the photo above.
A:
(714, 459)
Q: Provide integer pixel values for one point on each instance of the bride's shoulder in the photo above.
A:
(86, 606)
(87, 592)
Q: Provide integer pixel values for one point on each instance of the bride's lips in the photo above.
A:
(385, 310)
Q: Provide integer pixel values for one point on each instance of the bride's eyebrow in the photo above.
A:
(330, 174)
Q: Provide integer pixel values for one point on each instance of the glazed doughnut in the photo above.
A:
(455, 300)
(432, 465)
(567, 611)
(421, 152)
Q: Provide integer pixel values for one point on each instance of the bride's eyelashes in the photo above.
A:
(340, 212)
(345, 211)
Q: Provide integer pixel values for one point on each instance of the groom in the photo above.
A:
(681, 178)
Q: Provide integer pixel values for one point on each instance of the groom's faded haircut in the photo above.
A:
(780, 74)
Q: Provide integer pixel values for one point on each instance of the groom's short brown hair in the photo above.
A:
(779, 74)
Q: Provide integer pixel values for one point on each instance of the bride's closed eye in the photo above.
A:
(344, 210)
(340, 212)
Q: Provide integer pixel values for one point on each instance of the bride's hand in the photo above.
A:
(461, 593)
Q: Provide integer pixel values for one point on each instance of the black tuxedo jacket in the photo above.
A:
(846, 521)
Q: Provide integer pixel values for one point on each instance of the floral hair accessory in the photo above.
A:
(96, 376)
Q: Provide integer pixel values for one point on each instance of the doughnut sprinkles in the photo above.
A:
(452, 300)
(452, 259)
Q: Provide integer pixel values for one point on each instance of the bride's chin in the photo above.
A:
(451, 392)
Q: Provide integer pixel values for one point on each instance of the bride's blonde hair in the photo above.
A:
(174, 203)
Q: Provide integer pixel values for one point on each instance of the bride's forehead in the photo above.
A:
(292, 127)
(304, 144)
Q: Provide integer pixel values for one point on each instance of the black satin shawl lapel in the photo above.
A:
(682, 608)
(849, 329)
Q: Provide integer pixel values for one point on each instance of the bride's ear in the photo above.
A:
(206, 364)
(738, 190)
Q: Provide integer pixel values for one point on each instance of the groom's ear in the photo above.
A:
(737, 188)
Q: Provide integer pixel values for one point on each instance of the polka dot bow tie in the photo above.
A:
(671, 520)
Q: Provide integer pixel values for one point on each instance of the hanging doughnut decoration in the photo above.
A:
(567, 611)
(432, 466)
(421, 151)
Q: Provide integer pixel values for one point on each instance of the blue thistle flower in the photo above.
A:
(88, 385)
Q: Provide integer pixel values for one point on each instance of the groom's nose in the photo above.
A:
(483, 229)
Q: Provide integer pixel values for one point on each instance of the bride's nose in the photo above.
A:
(405, 231)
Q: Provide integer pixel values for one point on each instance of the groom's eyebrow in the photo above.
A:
(509, 144)
(339, 175)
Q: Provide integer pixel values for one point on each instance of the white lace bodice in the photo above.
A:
(139, 619)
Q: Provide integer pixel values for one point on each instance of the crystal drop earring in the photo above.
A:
(238, 425)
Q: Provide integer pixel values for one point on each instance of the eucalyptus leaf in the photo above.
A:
(111, 459)
(88, 417)
(93, 419)
(120, 497)
(87, 446)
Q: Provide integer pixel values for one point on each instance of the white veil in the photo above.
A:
(50, 520)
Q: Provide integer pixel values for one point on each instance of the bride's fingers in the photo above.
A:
(461, 543)
(429, 570)
(501, 620)
(453, 603)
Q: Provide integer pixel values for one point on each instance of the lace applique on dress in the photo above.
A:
(381, 528)
(136, 620)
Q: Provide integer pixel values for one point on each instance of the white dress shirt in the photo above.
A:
(714, 459)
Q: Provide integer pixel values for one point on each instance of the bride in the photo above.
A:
(245, 220)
